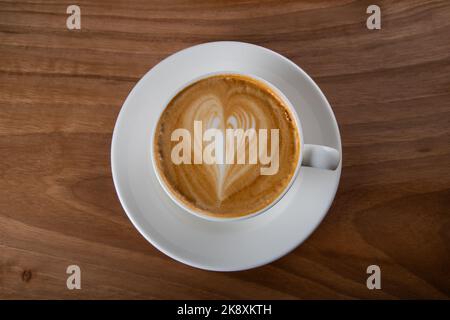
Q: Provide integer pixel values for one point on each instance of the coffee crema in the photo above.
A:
(227, 101)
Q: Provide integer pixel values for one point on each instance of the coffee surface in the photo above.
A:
(227, 102)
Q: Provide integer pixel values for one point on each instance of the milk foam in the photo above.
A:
(226, 102)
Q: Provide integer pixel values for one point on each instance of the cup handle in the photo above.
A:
(321, 157)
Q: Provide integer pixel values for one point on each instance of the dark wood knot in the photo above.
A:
(26, 275)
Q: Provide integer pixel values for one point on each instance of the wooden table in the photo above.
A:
(61, 91)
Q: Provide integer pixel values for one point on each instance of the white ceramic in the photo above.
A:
(317, 156)
(229, 245)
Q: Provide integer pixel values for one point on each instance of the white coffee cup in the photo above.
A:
(311, 155)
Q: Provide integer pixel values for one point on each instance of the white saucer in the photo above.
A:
(233, 245)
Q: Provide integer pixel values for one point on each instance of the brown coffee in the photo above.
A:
(236, 184)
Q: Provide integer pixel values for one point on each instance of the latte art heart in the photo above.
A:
(233, 185)
(230, 131)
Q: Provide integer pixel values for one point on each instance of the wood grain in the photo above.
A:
(61, 91)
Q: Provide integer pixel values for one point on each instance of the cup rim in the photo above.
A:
(287, 102)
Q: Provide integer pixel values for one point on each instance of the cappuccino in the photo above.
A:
(226, 146)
